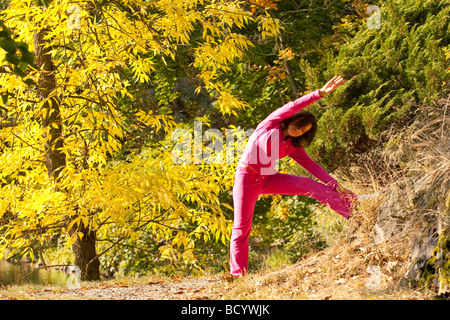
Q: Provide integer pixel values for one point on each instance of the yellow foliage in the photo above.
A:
(90, 48)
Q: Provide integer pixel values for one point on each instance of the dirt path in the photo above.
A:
(172, 289)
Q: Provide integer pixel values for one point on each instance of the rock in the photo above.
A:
(430, 266)
(393, 215)
(421, 251)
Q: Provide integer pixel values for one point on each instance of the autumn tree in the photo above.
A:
(59, 170)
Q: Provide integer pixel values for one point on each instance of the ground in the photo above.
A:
(282, 284)
(144, 288)
(354, 268)
(340, 273)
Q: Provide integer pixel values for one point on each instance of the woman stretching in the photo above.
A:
(285, 131)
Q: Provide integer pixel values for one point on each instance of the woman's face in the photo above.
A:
(297, 132)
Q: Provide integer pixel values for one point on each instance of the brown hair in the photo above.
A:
(300, 120)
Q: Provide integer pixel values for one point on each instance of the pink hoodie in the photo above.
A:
(267, 144)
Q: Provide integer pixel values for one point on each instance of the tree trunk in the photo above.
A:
(288, 67)
(86, 254)
(55, 159)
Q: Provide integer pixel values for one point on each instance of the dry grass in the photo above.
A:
(339, 272)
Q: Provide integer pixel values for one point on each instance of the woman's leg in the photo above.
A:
(245, 194)
(287, 184)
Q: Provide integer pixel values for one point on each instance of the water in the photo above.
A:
(11, 272)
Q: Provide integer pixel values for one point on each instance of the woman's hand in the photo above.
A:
(331, 85)
(342, 191)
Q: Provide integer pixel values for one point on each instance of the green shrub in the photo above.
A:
(389, 72)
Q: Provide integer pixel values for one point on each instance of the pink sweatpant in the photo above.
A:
(249, 185)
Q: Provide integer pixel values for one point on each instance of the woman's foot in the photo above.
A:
(230, 277)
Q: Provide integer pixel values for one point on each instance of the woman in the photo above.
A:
(284, 132)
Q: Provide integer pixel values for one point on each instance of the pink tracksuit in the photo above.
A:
(257, 175)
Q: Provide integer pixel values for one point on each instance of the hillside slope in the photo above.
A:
(396, 244)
